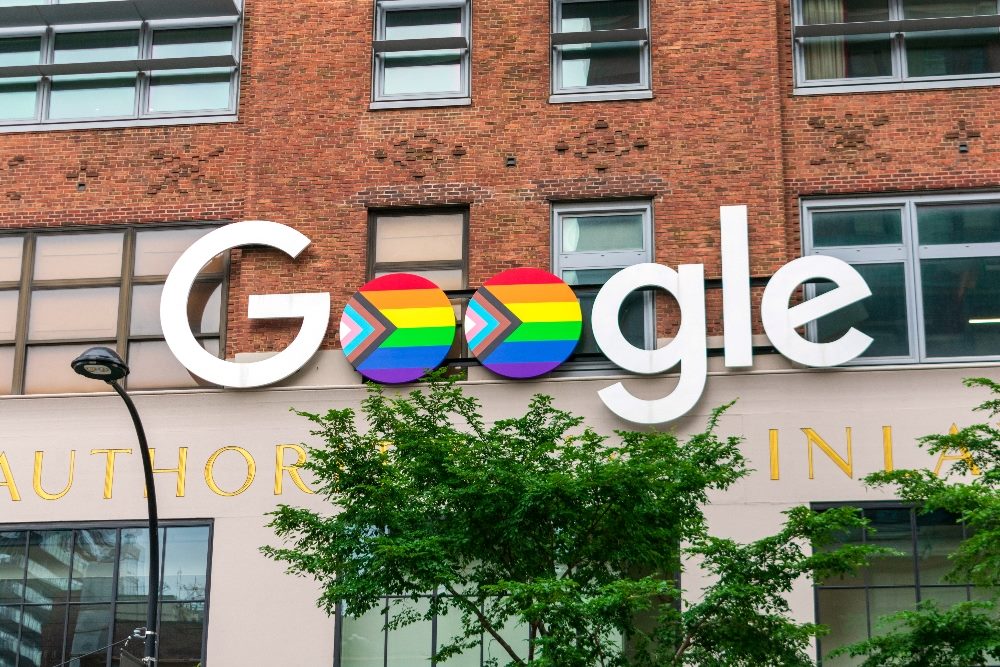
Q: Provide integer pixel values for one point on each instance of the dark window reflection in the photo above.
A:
(881, 316)
(961, 306)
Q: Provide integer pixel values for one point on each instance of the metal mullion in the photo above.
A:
(45, 83)
(125, 293)
(24, 305)
(143, 77)
(24, 589)
(69, 589)
(159, 280)
(75, 283)
(915, 288)
(224, 306)
(402, 267)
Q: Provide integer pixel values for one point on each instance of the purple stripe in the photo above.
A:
(393, 375)
(524, 369)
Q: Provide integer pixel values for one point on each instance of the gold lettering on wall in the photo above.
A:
(210, 471)
(887, 448)
(813, 440)
(773, 440)
(109, 467)
(8, 478)
(180, 470)
(36, 479)
(293, 470)
(962, 455)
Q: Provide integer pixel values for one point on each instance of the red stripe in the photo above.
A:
(398, 281)
(523, 276)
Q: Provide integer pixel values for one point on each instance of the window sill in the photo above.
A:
(936, 84)
(604, 96)
(121, 123)
(417, 104)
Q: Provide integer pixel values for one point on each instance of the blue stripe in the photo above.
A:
(546, 350)
(489, 326)
(405, 357)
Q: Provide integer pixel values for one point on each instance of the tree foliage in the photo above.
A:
(541, 521)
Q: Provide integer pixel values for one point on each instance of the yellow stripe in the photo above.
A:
(546, 312)
(412, 318)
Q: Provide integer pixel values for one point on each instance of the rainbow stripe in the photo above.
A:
(523, 323)
(397, 327)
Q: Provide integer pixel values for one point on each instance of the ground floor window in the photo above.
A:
(69, 594)
(851, 606)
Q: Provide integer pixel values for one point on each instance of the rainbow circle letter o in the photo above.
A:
(523, 323)
(397, 327)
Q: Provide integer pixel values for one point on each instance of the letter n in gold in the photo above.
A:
(813, 440)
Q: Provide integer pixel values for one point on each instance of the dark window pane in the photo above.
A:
(133, 564)
(953, 52)
(847, 228)
(610, 15)
(129, 618)
(17, 99)
(631, 317)
(186, 563)
(182, 631)
(608, 64)
(10, 626)
(938, 536)
(363, 643)
(423, 23)
(927, 9)
(94, 566)
(414, 72)
(961, 306)
(92, 96)
(847, 57)
(190, 43)
(49, 555)
(20, 51)
(88, 47)
(88, 630)
(881, 316)
(844, 612)
(12, 555)
(856, 578)
(958, 223)
(42, 633)
(602, 233)
(891, 528)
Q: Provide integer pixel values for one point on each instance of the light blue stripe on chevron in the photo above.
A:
(361, 323)
(491, 323)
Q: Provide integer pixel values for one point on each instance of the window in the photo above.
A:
(124, 63)
(883, 44)
(852, 605)
(67, 592)
(365, 641)
(600, 50)
(933, 265)
(591, 243)
(62, 292)
(421, 53)
(430, 243)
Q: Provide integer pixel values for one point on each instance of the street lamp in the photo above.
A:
(102, 363)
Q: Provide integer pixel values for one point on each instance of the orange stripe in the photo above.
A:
(531, 293)
(413, 298)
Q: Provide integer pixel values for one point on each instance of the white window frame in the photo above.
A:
(641, 90)
(571, 261)
(900, 79)
(909, 253)
(141, 115)
(462, 97)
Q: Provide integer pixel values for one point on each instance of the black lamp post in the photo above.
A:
(102, 363)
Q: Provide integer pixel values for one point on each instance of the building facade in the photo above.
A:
(457, 139)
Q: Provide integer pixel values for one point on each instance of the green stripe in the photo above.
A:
(532, 331)
(420, 337)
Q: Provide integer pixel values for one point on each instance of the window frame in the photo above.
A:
(636, 91)
(119, 526)
(381, 45)
(26, 285)
(141, 115)
(373, 267)
(909, 253)
(899, 79)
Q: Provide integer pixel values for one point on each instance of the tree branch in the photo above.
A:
(485, 623)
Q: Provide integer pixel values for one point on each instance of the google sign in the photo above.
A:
(524, 323)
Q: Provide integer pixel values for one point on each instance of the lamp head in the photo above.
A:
(100, 363)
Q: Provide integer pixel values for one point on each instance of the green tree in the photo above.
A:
(539, 520)
(967, 634)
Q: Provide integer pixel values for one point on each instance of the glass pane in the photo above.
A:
(419, 238)
(6, 369)
(945, 596)
(927, 9)
(156, 251)
(204, 308)
(133, 564)
(94, 566)
(10, 628)
(631, 317)
(49, 555)
(423, 23)
(606, 15)
(938, 536)
(885, 601)
(89, 47)
(891, 528)
(8, 314)
(92, 96)
(363, 639)
(961, 306)
(190, 90)
(413, 72)
(89, 312)
(953, 52)
(17, 98)
(598, 233)
(844, 11)
(65, 256)
(959, 223)
(515, 634)
(19, 3)
(410, 645)
(855, 578)
(88, 629)
(193, 43)
(847, 57)
(607, 64)
(185, 563)
(449, 626)
(12, 552)
(20, 51)
(129, 617)
(48, 371)
(446, 279)
(846, 228)
(881, 316)
(182, 630)
(153, 366)
(10, 258)
(44, 646)
(844, 612)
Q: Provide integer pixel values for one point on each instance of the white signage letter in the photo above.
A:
(314, 309)
(780, 321)
(688, 348)
(736, 287)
